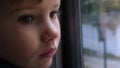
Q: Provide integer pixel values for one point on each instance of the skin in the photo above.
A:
(28, 28)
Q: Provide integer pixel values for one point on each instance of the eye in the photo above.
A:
(54, 14)
(26, 19)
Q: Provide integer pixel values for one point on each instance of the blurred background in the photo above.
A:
(101, 33)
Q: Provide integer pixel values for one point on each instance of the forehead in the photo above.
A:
(20, 1)
(9, 5)
(26, 2)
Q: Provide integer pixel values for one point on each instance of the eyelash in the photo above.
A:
(54, 14)
(27, 19)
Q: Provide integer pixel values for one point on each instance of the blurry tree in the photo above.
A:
(89, 9)
(110, 5)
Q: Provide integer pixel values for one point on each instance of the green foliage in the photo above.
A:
(89, 52)
(87, 67)
(110, 56)
(89, 9)
(111, 5)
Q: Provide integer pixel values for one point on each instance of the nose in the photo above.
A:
(51, 31)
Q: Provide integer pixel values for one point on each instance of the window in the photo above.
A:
(101, 33)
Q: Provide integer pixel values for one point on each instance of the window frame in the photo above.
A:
(71, 27)
(71, 40)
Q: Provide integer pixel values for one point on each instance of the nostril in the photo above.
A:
(50, 33)
(47, 38)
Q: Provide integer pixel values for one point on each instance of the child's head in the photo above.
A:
(29, 32)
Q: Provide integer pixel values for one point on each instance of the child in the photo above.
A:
(29, 33)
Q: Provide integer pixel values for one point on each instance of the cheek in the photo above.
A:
(19, 43)
(27, 42)
(59, 34)
(59, 30)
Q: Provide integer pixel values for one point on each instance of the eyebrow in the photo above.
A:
(20, 9)
(56, 5)
(29, 8)
(14, 1)
(40, 1)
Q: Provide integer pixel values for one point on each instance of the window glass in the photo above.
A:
(101, 33)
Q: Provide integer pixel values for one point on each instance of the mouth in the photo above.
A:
(49, 53)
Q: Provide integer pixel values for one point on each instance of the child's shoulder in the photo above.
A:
(6, 64)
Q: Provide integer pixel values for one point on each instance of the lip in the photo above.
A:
(49, 53)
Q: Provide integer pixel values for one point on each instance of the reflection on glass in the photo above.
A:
(101, 33)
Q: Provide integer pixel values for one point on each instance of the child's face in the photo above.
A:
(29, 32)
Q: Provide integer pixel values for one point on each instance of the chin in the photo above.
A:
(46, 64)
